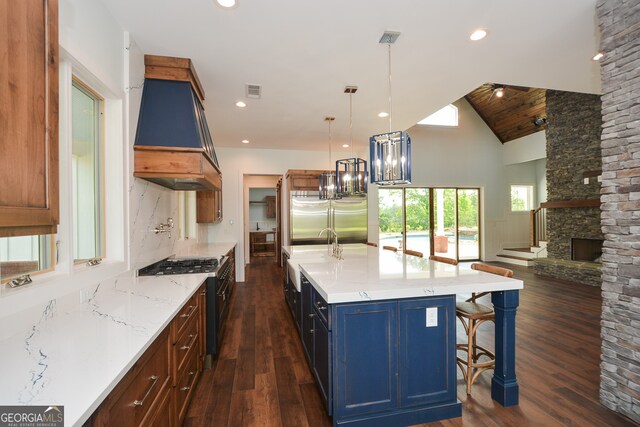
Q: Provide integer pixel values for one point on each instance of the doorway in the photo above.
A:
(261, 213)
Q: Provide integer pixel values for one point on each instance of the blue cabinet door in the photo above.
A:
(322, 360)
(427, 351)
(365, 358)
(307, 320)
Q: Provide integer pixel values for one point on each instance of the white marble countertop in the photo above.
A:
(368, 273)
(72, 350)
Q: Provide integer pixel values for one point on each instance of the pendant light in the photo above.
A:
(351, 173)
(390, 153)
(327, 188)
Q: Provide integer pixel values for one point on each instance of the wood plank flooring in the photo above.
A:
(261, 376)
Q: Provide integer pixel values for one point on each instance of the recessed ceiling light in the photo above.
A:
(598, 56)
(478, 35)
(227, 4)
(383, 114)
(345, 145)
(245, 141)
(240, 104)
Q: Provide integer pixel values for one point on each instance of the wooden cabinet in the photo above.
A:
(271, 206)
(303, 180)
(29, 117)
(262, 243)
(138, 395)
(158, 388)
(208, 206)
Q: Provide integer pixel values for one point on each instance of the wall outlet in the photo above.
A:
(432, 317)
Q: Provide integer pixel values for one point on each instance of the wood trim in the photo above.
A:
(581, 203)
(173, 68)
(165, 148)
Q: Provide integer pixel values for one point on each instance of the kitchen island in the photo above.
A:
(379, 329)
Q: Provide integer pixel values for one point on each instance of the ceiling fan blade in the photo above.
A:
(493, 92)
(519, 88)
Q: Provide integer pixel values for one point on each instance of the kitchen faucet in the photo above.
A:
(336, 249)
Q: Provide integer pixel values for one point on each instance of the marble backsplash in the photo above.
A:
(151, 205)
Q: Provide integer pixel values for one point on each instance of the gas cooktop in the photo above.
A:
(182, 266)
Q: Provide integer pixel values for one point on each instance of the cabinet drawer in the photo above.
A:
(186, 384)
(321, 308)
(187, 341)
(185, 314)
(134, 396)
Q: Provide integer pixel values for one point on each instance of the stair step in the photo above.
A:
(519, 254)
(517, 260)
(518, 249)
(514, 257)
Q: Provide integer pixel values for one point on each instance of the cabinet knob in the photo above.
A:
(185, 347)
(312, 331)
(185, 388)
(311, 316)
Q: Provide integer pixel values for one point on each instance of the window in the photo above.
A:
(447, 116)
(521, 198)
(87, 171)
(24, 254)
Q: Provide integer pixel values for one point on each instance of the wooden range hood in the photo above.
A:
(173, 146)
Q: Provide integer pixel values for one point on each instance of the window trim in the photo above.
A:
(101, 123)
(449, 126)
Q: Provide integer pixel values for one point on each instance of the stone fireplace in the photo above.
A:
(574, 163)
(589, 250)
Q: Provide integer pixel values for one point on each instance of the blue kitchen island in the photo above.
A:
(379, 332)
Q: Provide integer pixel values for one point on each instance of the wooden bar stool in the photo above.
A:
(375, 245)
(443, 259)
(414, 253)
(472, 315)
(390, 248)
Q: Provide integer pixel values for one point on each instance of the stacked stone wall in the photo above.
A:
(573, 151)
(619, 22)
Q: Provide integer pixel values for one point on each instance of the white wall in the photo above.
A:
(469, 155)
(108, 58)
(526, 149)
(541, 180)
(235, 164)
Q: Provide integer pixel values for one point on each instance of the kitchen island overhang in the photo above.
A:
(372, 291)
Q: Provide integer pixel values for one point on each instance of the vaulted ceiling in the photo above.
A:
(512, 115)
(304, 53)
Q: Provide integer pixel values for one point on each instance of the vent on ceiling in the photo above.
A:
(389, 37)
(254, 91)
(350, 89)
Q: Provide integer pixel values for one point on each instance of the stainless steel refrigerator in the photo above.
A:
(309, 215)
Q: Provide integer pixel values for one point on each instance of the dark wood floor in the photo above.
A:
(261, 377)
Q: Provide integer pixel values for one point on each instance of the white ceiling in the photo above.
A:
(303, 53)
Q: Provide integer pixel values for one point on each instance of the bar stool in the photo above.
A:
(443, 259)
(475, 315)
(375, 245)
(414, 253)
(390, 248)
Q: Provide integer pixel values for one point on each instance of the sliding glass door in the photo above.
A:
(468, 224)
(434, 221)
(390, 217)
